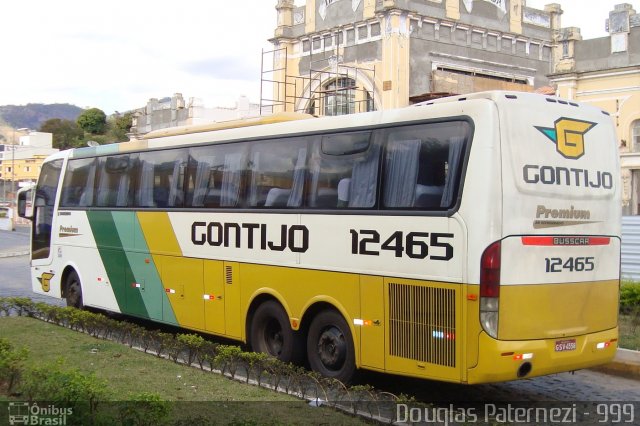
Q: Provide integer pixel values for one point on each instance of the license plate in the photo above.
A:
(566, 345)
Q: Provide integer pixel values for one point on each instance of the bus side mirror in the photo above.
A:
(25, 207)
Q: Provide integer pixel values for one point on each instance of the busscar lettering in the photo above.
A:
(563, 176)
(294, 238)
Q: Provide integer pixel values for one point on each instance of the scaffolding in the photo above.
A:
(334, 91)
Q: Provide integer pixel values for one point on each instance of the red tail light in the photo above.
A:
(490, 271)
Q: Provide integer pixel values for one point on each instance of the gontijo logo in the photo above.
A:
(568, 136)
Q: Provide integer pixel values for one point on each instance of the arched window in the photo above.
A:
(369, 104)
(339, 96)
(635, 136)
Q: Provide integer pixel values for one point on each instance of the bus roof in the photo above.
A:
(287, 123)
(231, 124)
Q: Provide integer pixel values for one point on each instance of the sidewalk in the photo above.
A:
(625, 364)
(14, 243)
(13, 253)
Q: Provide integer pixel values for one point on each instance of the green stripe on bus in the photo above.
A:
(115, 262)
(145, 270)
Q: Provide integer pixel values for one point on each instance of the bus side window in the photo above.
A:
(114, 181)
(234, 167)
(201, 177)
(422, 165)
(344, 172)
(216, 175)
(79, 181)
(278, 171)
(160, 179)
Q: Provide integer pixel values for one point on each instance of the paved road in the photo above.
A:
(584, 385)
(14, 270)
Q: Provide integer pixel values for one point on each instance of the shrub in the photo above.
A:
(228, 359)
(11, 365)
(71, 387)
(144, 408)
(630, 297)
(191, 344)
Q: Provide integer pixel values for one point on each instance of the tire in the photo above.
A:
(272, 334)
(330, 346)
(73, 292)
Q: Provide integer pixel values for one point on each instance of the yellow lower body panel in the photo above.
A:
(500, 360)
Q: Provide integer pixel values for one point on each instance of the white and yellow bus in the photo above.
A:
(471, 239)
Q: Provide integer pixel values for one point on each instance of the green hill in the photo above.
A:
(33, 115)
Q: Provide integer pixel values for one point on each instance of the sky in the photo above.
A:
(116, 54)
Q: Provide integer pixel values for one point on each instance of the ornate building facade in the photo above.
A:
(340, 56)
(605, 72)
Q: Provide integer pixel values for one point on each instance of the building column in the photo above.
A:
(369, 10)
(515, 16)
(284, 9)
(310, 17)
(453, 9)
(395, 60)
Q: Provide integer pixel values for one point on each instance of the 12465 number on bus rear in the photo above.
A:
(572, 264)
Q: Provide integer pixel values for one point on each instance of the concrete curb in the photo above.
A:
(626, 364)
(14, 253)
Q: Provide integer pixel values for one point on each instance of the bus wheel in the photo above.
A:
(74, 291)
(330, 346)
(272, 334)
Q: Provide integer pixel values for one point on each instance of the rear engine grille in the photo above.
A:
(422, 324)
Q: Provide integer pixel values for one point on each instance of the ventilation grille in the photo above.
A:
(228, 274)
(422, 324)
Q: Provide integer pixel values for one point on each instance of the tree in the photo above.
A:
(119, 125)
(93, 121)
(66, 133)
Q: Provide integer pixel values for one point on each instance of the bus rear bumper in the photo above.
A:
(500, 360)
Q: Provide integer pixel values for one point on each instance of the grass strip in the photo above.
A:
(129, 372)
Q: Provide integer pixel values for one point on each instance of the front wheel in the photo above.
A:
(73, 293)
(272, 334)
(330, 346)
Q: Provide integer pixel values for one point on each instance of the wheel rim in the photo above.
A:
(273, 338)
(332, 348)
(73, 293)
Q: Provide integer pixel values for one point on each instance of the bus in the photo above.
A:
(470, 239)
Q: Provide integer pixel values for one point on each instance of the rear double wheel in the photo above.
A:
(330, 346)
(272, 334)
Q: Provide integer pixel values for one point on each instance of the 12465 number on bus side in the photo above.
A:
(415, 245)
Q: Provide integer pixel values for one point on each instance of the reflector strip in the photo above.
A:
(519, 357)
(208, 297)
(357, 321)
(170, 291)
(565, 241)
(135, 285)
(436, 334)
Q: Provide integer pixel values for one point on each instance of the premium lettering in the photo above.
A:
(570, 213)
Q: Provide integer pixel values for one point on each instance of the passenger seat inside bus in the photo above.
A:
(428, 196)
(277, 197)
(343, 192)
